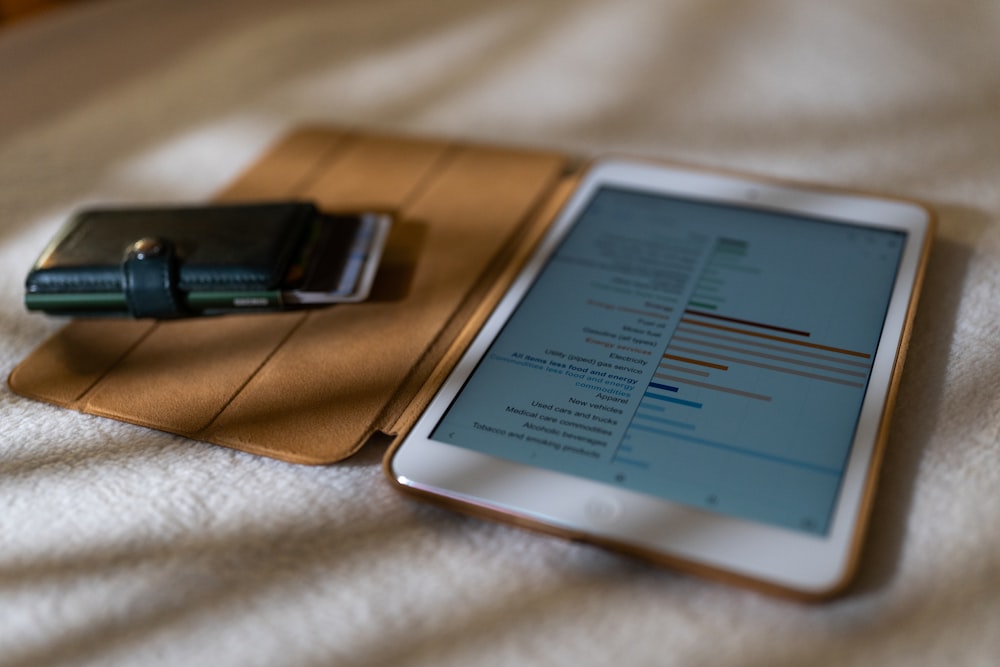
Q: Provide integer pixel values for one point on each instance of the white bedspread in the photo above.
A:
(125, 546)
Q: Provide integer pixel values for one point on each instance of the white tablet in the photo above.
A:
(694, 367)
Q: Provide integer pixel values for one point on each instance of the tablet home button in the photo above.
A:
(602, 509)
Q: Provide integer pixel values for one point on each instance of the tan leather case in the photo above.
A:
(314, 386)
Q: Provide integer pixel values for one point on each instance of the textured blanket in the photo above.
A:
(121, 545)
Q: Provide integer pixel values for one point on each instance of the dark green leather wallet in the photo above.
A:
(168, 262)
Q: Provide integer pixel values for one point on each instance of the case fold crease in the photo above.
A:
(313, 386)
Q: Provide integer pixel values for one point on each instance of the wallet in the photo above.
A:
(176, 261)
(315, 385)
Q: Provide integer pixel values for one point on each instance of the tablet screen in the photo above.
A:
(709, 354)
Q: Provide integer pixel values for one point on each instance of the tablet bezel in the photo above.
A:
(776, 559)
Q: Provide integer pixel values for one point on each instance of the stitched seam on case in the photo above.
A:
(58, 284)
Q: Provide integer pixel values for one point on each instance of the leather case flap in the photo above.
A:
(314, 386)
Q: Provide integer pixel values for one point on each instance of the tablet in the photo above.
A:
(694, 367)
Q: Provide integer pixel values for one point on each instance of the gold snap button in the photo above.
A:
(147, 247)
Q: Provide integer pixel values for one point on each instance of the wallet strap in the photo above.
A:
(149, 273)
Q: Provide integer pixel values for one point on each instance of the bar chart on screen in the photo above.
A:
(736, 395)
